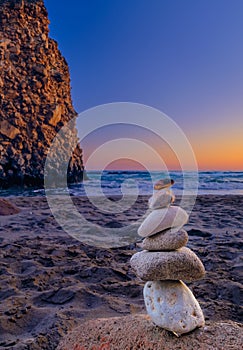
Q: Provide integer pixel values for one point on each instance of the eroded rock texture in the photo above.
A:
(35, 100)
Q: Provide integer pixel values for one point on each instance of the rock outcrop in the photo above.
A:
(35, 100)
(137, 332)
(7, 208)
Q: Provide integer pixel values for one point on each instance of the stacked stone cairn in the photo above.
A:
(165, 262)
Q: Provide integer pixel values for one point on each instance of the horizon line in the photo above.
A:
(164, 171)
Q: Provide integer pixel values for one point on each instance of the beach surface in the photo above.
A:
(52, 283)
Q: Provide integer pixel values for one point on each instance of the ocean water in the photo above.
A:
(141, 182)
(121, 182)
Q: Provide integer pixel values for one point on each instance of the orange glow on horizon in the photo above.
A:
(219, 148)
(125, 164)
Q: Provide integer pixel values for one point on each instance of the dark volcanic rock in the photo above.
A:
(35, 100)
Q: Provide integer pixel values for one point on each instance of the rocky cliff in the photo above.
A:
(35, 100)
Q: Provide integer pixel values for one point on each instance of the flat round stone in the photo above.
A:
(163, 219)
(165, 240)
(181, 264)
(161, 199)
(163, 183)
(172, 306)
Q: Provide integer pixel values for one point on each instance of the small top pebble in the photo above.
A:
(163, 183)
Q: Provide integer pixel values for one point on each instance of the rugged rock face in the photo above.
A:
(35, 99)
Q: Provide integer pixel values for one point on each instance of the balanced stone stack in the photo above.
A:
(165, 262)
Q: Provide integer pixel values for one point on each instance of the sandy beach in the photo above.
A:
(50, 282)
(148, 96)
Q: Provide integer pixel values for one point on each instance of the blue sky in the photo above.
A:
(182, 57)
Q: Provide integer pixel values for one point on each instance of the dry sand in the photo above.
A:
(50, 283)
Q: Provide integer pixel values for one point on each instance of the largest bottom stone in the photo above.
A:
(172, 306)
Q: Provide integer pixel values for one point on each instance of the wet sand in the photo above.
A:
(51, 282)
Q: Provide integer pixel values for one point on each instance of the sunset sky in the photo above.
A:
(184, 58)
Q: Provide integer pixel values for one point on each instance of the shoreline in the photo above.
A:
(36, 193)
(50, 282)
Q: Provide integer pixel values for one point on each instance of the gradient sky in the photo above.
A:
(183, 57)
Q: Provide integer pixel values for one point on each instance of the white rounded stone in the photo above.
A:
(161, 199)
(163, 219)
(172, 306)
